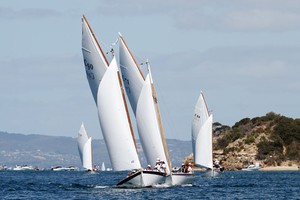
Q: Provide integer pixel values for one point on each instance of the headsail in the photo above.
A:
(115, 122)
(85, 148)
(202, 134)
(150, 126)
(94, 59)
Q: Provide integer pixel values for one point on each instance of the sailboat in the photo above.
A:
(103, 167)
(85, 148)
(202, 136)
(142, 96)
(106, 87)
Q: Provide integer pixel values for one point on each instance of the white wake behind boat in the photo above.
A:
(84, 143)
(202, 136)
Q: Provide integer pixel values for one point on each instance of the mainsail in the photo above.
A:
(132, 76)
(202, 134)
(143, 100)
(115, 121)
(94, 59)
(85, 148)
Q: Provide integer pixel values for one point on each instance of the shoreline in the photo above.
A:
(280, 168)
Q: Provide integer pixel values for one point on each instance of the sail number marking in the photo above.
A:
(89, 70)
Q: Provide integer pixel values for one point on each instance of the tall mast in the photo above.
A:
(159, 117)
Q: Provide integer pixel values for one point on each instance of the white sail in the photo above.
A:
(149, 125)
(103, 167)
(131, 74)
(115, 122)
(202, 134)
(85, 148)
(94, 59)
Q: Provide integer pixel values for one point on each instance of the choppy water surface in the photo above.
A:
(101, 185)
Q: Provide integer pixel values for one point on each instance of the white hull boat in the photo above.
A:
(252, 167)
(59, 168)
(143, 178)
(23, 167)
(182, 178)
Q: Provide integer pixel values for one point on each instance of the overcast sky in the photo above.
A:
(244, 56)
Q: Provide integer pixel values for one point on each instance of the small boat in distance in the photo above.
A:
(24, 167)
(252, 167)
(84, 143)
(60, 168)
(103, 167)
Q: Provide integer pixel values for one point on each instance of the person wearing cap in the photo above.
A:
(189, 168)
(157, 164)
(182, 169)
(163, 167)
(148, 167)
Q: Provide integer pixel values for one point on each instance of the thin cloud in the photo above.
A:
(27, 13)
(273, 68)
(233, 15)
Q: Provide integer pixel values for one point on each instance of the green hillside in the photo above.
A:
(272, 140)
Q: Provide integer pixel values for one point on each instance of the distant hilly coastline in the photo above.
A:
(44, 151)
(272, 140)
(47, 151)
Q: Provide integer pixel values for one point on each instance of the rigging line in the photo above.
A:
(142, 61)
(103, 44)
(111, 47)
(112, 50)
(165, 111)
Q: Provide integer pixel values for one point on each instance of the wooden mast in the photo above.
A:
(158, 117)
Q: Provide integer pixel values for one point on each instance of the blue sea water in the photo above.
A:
(101, 185)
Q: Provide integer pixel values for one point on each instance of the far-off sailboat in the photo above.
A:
(202, 137)
(85, 148)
